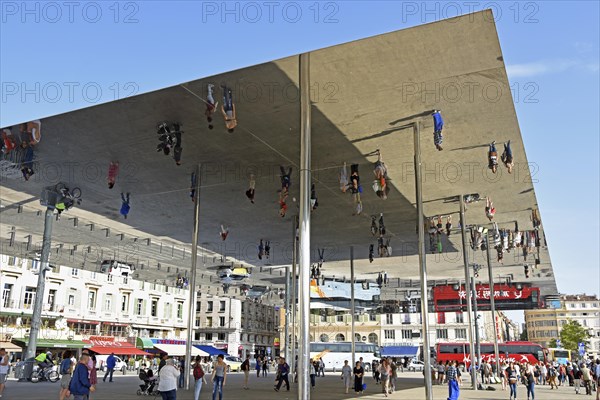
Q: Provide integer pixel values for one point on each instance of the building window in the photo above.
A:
(340, 338)
(209, 322)
(209, 306)
(222, 306)
(179, 310)
(221, 321)
(373, 338)
(71, 300)
(460, 318)
(29, 297)
(406, 334)
(154, 308)
(125, 303)
(460, 333)
(221, 336)
(108, 302)
(389, 319)
(92, 299)
(6, 294)
(373, 317)
(441, 318)
(208, 336)
(389, 334)
(442, 333)
(324, 338)
(339, 318)
(139, 306)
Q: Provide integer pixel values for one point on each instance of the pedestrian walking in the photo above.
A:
(211, 106)
(265, 366)
(530, 381)
(347, 375)
(198, 373)
(438, 125)
(245, 367)
(4, 373)
(452, 377)
(125, 206)
(385, 372)
(359, 372)
(80, 386)
(93, 371)
(65, 369)
(283, 370)
(181, 382)
(167, 382)
(228, 109)
(314, 366)
(513, 379)
(219, 377)
(111, 361)
(258, 360)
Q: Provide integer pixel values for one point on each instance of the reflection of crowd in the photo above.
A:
(182, 282)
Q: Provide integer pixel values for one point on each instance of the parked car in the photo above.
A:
(120, 365)
(233, 363)
(416, 365)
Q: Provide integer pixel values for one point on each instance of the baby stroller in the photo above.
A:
(149, 385)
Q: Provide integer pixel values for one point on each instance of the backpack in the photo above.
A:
(65, 366)
(198, 371)
(245, 365)
(552, 372)
(143, 375)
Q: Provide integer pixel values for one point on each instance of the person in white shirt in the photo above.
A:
(3, 369)
(167, 384)
(347, 375)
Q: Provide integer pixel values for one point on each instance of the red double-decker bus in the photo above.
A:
(507, 351)
(507, 297)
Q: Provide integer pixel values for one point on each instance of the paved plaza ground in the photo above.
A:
(410, 387)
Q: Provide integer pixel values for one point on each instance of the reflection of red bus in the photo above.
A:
(507, 297)
(511, 351)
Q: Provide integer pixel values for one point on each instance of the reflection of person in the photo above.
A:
(438, 125)
(251, 188)
(228, 109)
(493, 157)
(113, 171)
(125, 207)
(211, 106)
(507, 157)
(344, 179)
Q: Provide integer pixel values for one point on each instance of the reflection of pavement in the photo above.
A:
(328, 388)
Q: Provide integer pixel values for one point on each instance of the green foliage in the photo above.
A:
(571, 334)
(552, 343)
(524, 336)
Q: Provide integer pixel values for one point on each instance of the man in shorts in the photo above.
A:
(3, 369)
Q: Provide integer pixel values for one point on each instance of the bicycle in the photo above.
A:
(45, 374)
(71, 194)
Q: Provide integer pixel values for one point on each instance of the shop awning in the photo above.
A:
(61, 344)
(144, 343)
(119, 350)
(179, 350)
(212, 351)
(399, 351)
(10, 347)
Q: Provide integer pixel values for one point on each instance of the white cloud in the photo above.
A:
(548, 67)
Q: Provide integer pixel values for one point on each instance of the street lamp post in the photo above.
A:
(493, 304)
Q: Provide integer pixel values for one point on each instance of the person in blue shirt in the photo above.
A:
(111, 362)
(125, 207)
(80, 386)
(438, 125)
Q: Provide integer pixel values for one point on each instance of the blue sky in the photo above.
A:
(107, 50)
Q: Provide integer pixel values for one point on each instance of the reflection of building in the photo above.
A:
(545, 324)
(80, 304)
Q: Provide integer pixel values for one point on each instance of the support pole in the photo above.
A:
(477, 341)
(493, 305)
(463, 230)
(304, 220)
(292, 362)
(422, 264)
(192, 301)
(36, 318)
(352, 310)
(288, 313)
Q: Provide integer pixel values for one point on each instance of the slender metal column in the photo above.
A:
(493, 304)
(463, 230)
(304, 245)
(477, 341)
(36, 318)
(294, 291)
(192, 301)
(287, 315)
(352, 310)
(422, 264)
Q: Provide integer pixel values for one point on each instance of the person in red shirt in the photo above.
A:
(113, 171)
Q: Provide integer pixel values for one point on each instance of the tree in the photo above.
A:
(552, 343)
(524, 336)
(571, 334)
